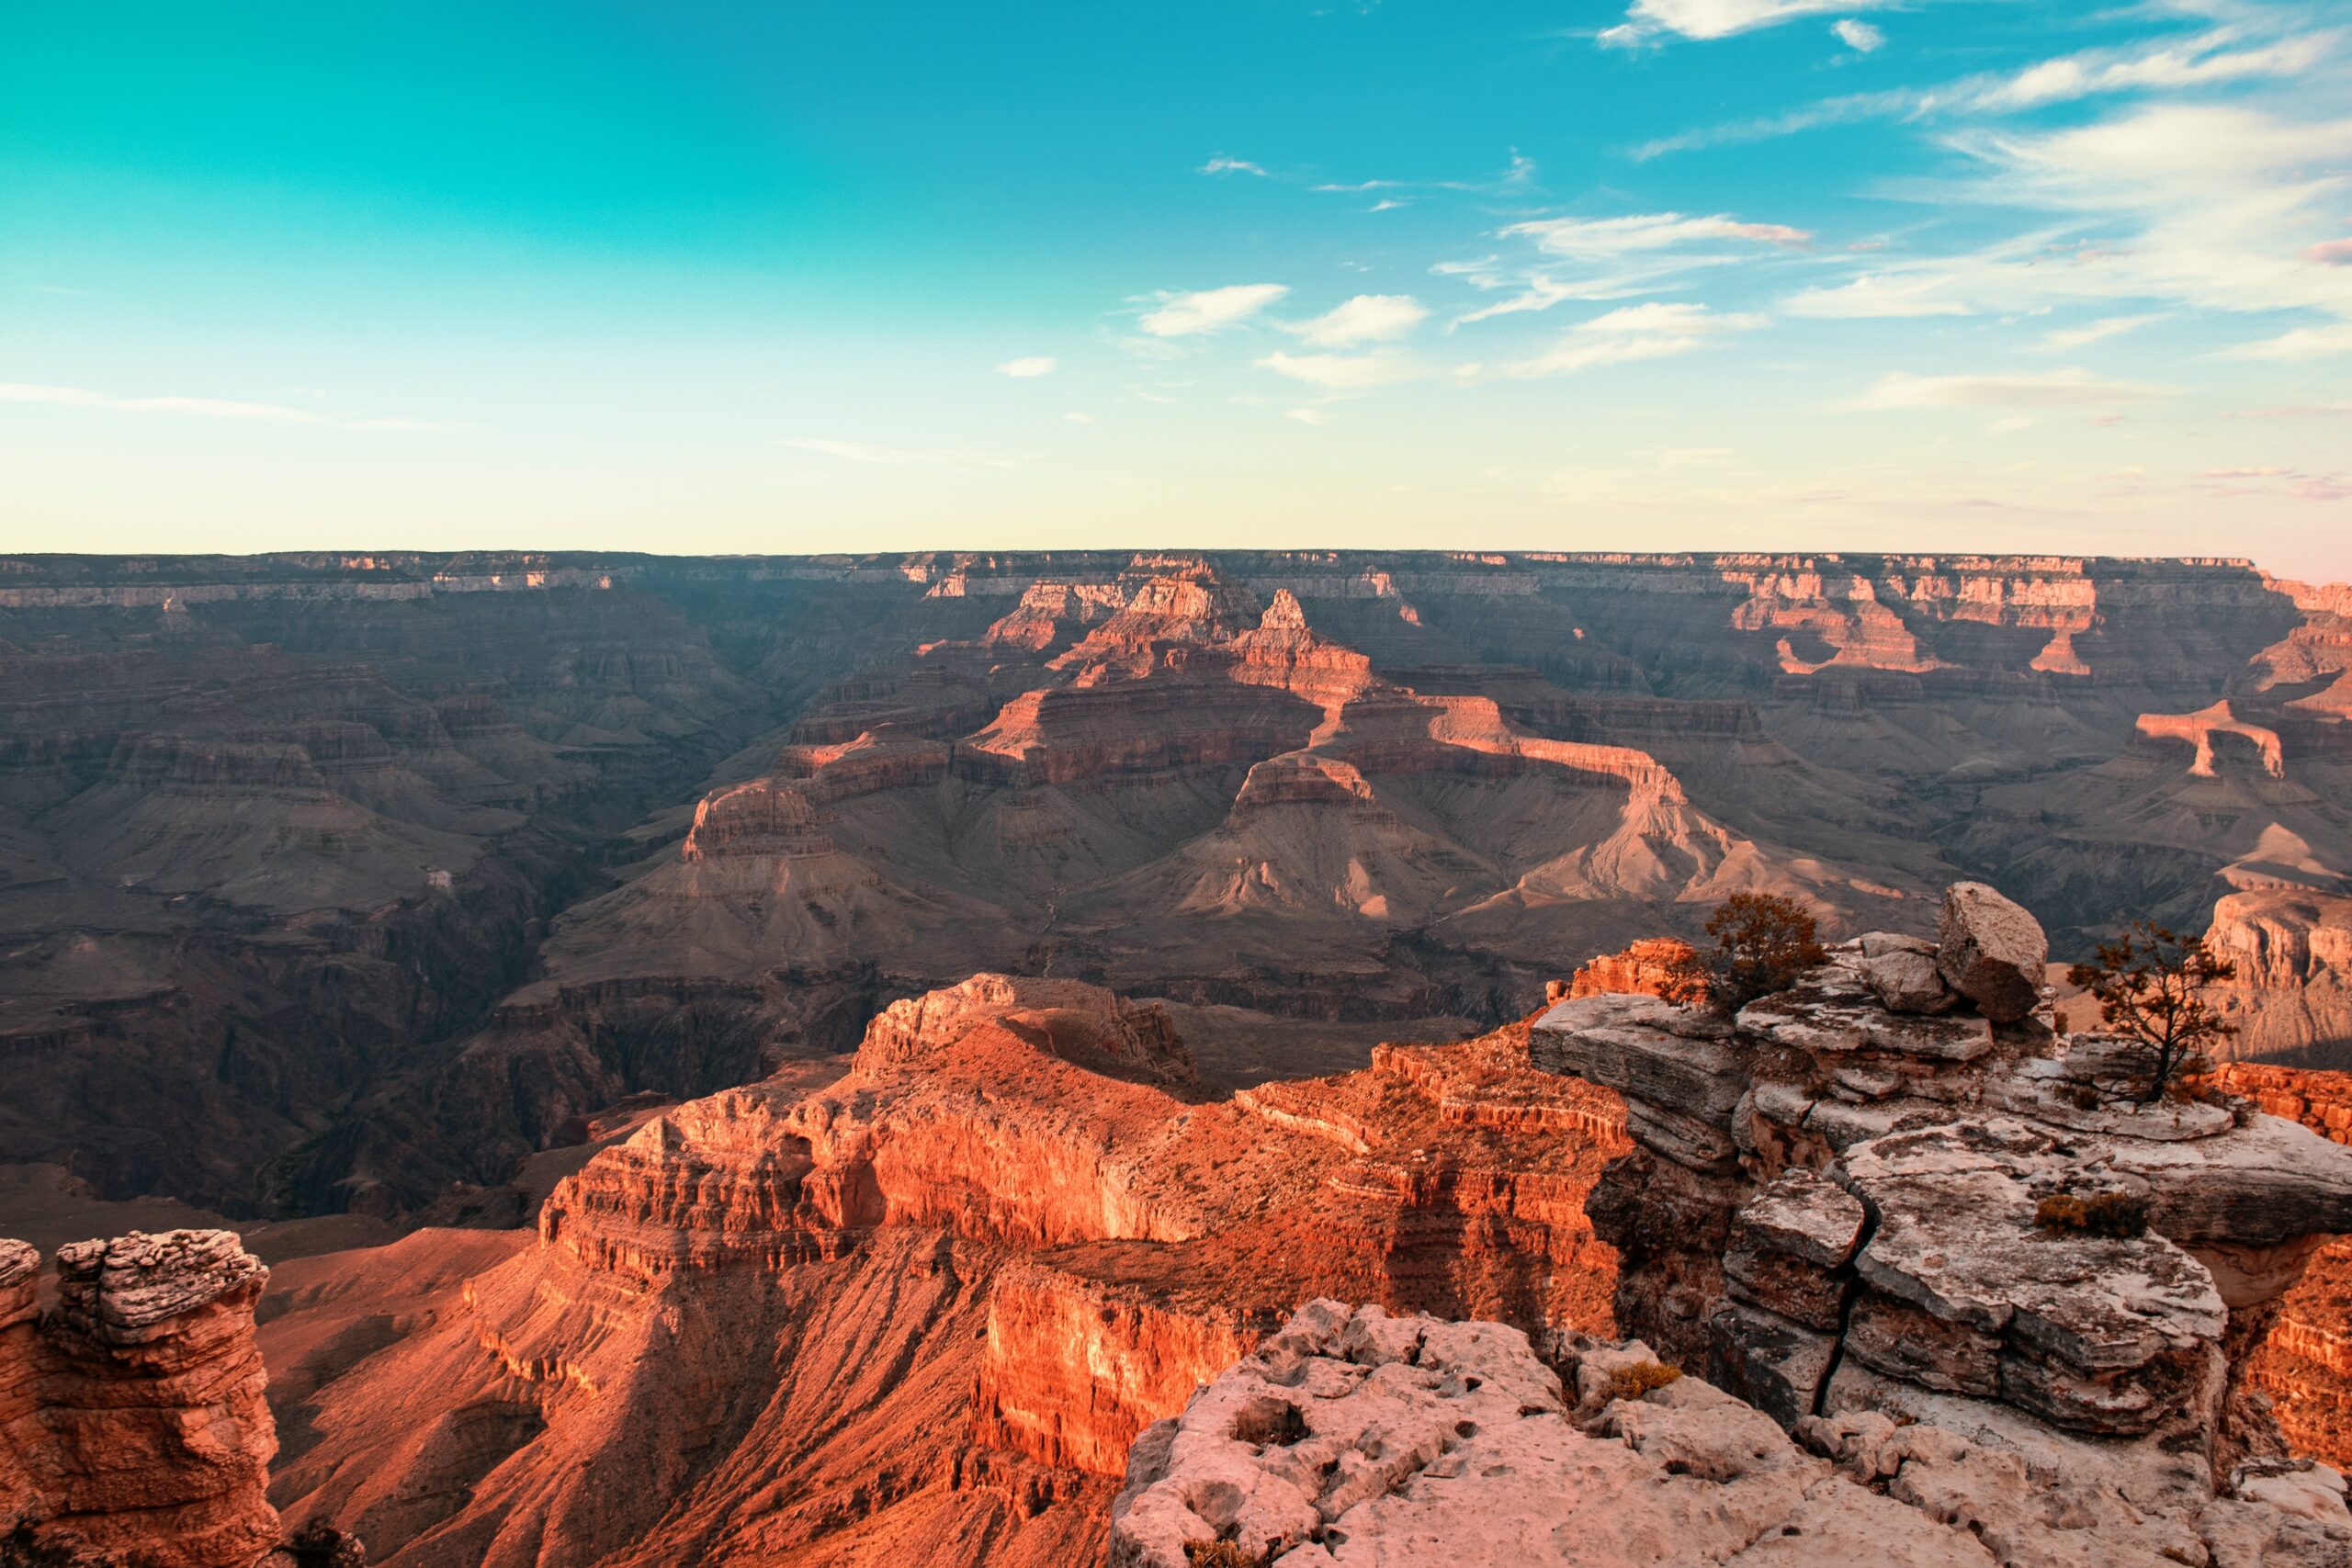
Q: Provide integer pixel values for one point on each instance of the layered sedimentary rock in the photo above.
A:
(2291, 997)
(322, 842)
(918, 1313)
(1840, 1206)
(2304, 1364)
(133, 1428)
(1355, 1437)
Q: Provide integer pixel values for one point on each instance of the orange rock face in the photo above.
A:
(2305, 1363)
(918, 1314)
(132, 1420)
(1647, 967)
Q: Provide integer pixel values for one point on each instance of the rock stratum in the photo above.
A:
(1849, 1205)
(133, 1429)
(999, 1289)
(382, 874)
(918, 1313)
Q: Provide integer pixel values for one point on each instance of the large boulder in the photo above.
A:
(1992, 951)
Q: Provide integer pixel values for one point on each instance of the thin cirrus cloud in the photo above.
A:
(1647, 21)
(1658, 330)
(1367, 318)
(1207, 310)
(2094, 332)
(1029, 366)
(1611, 258)
(198, 408)
(2069, 389)
(1600, 239)
(1343, 372)
(1859, 35)
(2209, 59)
(2302, 343)
(1221, 164)
(2197, 207)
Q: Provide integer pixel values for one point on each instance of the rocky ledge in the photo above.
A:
(133, 1429)
(1355, 1437)
(1847, 1204)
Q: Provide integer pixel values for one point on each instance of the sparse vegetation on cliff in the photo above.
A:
(2150, 984)
(2117, 1216)
(1763, 942)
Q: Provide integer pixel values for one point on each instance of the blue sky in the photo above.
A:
(1709, 274)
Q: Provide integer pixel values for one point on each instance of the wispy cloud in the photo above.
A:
(2217, 56)
(1367, 318)
(1343, 372)
(1859, 35)
(2094, 332)
(2191, 206)
(1029, 366)
(1517, 178)
(1648, 21)
(904, 456)
(2303, 343)
(1603, 239)
(198, 407)
(1307, 416)
(1221, 164)
(1206, 310)
(2067, 388)
(1658, 330)
(1611, 258)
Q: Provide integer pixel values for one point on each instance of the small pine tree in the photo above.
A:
(1763, 943)
(2150, 984)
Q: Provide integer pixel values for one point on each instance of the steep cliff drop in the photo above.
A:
(133, 1429)
(918, 1314)
(1852, 1203)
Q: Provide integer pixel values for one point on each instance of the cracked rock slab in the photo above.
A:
(1422, 1442)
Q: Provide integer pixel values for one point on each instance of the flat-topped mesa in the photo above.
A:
(2293, 991)
(1883, 1190)
(133, 1426)
(1354, 1437)
(763, 818)
(1069, 1020)
(2198, 732)
(1303, 778)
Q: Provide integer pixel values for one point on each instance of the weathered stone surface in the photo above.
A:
(1906, 1340)
(1674, 1063)
(1907, 980)
(1356, 1438)
(1804, 1215)
(1890, 1168)
(1992, 951)
(1344, 1441)
(1782, 1365)
(133, 1421)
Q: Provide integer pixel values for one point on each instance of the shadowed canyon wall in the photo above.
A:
(353, 882)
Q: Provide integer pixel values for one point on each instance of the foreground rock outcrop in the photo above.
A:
(133, 1429)
(1359, 1438)
(1852, 1200)
(917, 1313)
